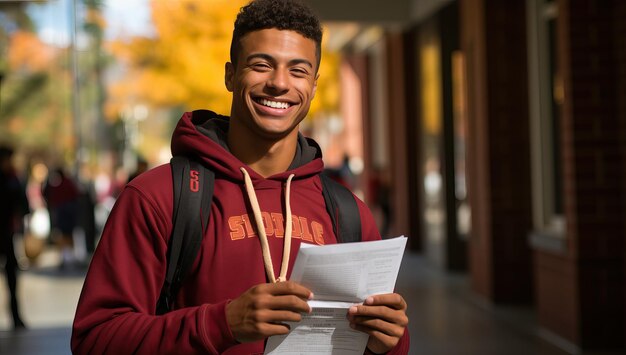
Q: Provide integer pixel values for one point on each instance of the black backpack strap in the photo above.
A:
(343, 210)
(193, 191)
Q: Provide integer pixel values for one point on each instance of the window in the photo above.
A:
(546, 100)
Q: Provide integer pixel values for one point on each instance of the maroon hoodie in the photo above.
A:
(116, 311)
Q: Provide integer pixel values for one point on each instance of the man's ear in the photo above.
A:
(317, 76)
(229, 76)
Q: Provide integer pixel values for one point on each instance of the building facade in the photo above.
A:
(502, 127)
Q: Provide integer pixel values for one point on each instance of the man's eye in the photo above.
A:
(299, 72)
(260, 66)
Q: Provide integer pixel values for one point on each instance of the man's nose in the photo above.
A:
(279, 80)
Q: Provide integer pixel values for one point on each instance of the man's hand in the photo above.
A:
(383, 317)
(260, 312)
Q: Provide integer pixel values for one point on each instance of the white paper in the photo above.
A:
(339, 275)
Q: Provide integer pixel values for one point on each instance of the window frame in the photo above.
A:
(544, 88)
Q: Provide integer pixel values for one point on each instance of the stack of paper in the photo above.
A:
(339, 275)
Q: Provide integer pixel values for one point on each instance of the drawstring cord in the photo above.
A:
(258, 218)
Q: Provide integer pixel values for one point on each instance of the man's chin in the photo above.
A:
(277, 133)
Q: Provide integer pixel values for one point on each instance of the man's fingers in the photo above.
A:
(390, 329)
(379, 312)
(392, 300)
(269, 329)
(383, 317)
(262, 310)
(269, 316)
(286, 288)
(387, 341)
(289, 303)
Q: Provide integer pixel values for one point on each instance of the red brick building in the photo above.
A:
(503, 127)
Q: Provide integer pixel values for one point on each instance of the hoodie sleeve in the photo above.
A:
(116, 310)
(370, 232)
(402, 348)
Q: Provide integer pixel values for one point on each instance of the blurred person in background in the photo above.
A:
(380, 193)
(13, 208)
(37, 229)
(62, 198)
(342, 174)
(142, 167)
(86, 215)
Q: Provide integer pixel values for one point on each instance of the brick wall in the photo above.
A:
(478, 164)
(494, 39)
(398, 135)
(620, 49)
(593, 167)
(509, 152)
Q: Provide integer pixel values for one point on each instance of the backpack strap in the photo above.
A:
(193, 192)
(343, 210)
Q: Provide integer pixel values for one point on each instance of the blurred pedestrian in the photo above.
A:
(343, 174)
(142, 167)
(13, 208)
(62, 197)
(380, 193)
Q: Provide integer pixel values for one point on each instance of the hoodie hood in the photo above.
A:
(202, 135)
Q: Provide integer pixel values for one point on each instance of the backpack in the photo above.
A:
(193, 191)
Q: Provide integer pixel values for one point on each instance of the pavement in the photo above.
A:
(48, 297)
(445, 316)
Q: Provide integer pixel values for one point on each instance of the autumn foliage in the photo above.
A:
(60, 98)
(182, 65)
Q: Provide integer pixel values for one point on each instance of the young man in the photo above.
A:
(265, 171)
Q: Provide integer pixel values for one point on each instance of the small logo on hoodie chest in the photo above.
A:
(241, 227)
(194, 181)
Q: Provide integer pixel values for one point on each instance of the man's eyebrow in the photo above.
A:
(301, 61)
(271, 59)
(267, 57)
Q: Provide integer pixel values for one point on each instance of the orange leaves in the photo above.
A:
(27, 52)
(94, 16)
(183, 64)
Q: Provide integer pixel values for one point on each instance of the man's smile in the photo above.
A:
(272, 106)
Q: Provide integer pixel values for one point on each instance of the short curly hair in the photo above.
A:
(289, 15)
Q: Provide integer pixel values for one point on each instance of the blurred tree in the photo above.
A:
(98, 134)
(12, 18)
(53, 96)
(182, 66)
(35, 94)
(27, 113)
(52, 93)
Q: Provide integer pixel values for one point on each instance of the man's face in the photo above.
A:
(273, 82)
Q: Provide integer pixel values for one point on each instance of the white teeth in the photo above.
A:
(274, 104)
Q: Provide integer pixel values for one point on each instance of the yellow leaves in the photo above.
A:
(191, 19)
(327, 94)
(27, 52)
(94, 16)
(183, 65)
(160, 87)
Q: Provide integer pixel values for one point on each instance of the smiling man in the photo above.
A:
(267, 201)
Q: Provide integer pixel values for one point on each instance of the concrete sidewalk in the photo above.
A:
(48, 297)
(445, 317)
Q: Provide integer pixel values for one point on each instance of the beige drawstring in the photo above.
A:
(267, 257)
